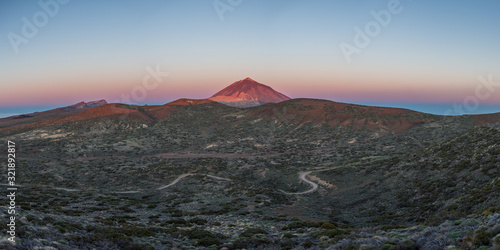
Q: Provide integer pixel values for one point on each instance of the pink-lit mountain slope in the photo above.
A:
(49, 114)
(248, 93)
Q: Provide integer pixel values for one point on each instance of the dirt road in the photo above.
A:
(303, 177)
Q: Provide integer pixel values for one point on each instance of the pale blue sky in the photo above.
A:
(431, 52)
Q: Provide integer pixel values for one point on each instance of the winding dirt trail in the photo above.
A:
(218, 178)
(180, 177)
(303, 177)
(186, 175)
(175, 181)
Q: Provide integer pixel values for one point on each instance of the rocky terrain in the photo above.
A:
(298, 174)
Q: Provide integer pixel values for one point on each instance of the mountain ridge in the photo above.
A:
(260, 102)
(295, 111)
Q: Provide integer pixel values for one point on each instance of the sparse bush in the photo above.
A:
(252, 231)
(48, 219)
(250, 242)
(407, 245)
(198, 233)
(336, 232)
(328, 225)
(496, 241)
(206, 242)
(294, 225)
(481, 238)
(198, 221)
(308, 244)
(64, 226)
(176, 222)
(34, 219)
(137, 231)
(388, 245)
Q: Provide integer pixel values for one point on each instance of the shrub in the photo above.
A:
(48, 219)
(481, 238)
(496, 241)
(33, 219)
(389, 227)
(483, 248)
(308, 244)
(407, 245)
(135, 246)
(137, 231)
(107, 233)
(336, 232)
(289, 235)
(252, 231)
(64, 226)
(176, 222)
(198, 233)
(206, 242)
(294, 225)
(250, 242)
(198, 221)
(388, 245)
(328, 225)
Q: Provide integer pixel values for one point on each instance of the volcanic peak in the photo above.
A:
(248, 93)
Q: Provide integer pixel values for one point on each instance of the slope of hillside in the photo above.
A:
(301, 111)
(209, 174)
(54, 113)
(297, 111)
(447, 180)
(109, 112)
(186, 101)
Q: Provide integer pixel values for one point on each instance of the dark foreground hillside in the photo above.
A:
(212, 176)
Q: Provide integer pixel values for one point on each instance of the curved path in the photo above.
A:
(180, 177)
(186, 175)
(302, 177)
(218, 178)
(175, 181)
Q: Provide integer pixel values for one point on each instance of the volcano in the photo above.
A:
(248, 93)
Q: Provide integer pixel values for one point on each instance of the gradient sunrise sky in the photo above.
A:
(428, 57)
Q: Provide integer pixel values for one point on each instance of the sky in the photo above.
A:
(440, 57)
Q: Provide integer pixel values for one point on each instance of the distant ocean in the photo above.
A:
(11, 111)
(442, 108)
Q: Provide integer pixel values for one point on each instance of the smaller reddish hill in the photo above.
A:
(114, 110)
(49, 114)
(246, 93)
(186, 102)
(162, 112)
(106, 110)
